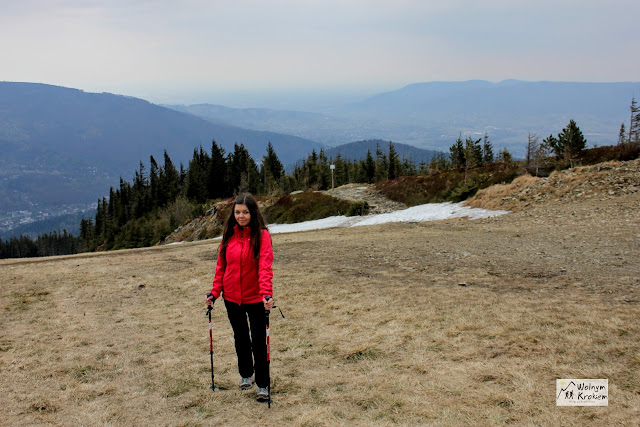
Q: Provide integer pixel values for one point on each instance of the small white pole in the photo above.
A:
(332, 167)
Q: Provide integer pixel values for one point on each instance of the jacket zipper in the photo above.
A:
(241, 250)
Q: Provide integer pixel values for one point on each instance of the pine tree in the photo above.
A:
(487, 150)
(532, 148)
(505, 156)
(170, 179)
(311, 170)
(217, 173)
(243, 172)
(324, 171)
(369, 167)
(439, 162)
(552, 144)
(472, 153)
(456, 155)
(394, 163)
(140, 190)
(382, 165)
(157, 199)
(634, 123)
(272, 163)
(622, 134)
(572, 141)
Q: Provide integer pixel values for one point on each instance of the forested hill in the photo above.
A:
(62, 145)
(358, 150)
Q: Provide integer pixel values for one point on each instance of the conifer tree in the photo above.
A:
(324, 171)
(457, 155)
(472, 153)
(217, 173)
(339, 173)
(572, 141)
(170, 179)
(197, 176)
(272, 169)
(312, 177)
(243, 171)
(505, 156)
(382, 165)
(156, 199)
(369, 167)
(622, 134)
(634, 123)
(487, 150)
(439, 162)
(394, 163)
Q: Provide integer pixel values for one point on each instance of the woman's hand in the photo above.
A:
(268, 303)
(209, 299)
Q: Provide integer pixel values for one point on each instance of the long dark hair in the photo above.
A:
(256, 225)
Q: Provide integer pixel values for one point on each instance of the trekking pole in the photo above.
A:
(209, 308)
(266, 313)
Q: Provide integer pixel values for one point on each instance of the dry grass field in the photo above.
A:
(446, 323)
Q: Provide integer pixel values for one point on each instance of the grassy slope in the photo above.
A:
(378, 331)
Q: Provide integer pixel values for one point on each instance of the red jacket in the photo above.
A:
(240, 279)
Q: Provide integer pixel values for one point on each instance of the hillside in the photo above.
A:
(63, 146)
(452, 322)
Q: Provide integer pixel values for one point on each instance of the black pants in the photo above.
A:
(246, 345)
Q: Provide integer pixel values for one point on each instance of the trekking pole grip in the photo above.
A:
(210, 306)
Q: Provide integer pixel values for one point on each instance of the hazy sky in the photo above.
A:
(181, 50)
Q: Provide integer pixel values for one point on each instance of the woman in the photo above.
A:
(243, 277)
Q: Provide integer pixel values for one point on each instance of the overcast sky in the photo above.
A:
(173, 50)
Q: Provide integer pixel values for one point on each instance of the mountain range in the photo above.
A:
(433, 114)
(64, 146)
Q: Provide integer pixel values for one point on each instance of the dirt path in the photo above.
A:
(363, 192)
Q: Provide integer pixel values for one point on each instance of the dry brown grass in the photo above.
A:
(493, 197)
(378, 329)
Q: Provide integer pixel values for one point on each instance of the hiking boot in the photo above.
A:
(263, 394)
(246, 383)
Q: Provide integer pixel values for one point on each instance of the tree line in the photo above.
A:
(162, 197)
(48, 244)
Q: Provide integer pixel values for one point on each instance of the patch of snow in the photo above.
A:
(427, 212)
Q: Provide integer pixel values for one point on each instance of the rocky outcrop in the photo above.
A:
(206, 226)
(604, 180)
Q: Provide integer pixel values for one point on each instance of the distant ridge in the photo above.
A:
(433, 114)
(358, 150)
(481, 97)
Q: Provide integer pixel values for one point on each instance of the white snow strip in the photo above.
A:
(427, 212)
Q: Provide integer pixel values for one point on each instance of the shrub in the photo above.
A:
(452, 185)
(305, 206)
(358, 208)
